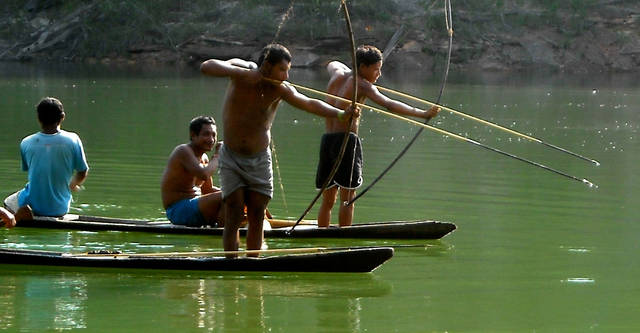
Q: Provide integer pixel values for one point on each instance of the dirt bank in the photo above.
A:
(587, 36)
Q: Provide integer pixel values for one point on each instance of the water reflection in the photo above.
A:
(7, 302)
(68, 298)
(38, 303)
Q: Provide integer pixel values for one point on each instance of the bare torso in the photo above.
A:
(177, 183)
(248, 113)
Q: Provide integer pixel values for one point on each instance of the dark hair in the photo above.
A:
(196, 124)
(50, 111)
(274, 53)
(367, 55)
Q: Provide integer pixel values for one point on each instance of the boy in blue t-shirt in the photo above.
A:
(50, 157)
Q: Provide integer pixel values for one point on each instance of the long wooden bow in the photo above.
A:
(345, 140)
(449, 24)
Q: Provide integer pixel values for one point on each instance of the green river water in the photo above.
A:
(534, 251)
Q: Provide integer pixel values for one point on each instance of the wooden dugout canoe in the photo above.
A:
(359, 260)
(382, 230)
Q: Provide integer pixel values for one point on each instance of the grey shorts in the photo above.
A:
(251, 172)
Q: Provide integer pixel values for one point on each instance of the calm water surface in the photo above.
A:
(534, 251)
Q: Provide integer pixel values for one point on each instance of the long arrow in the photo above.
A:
(444, 132)
(528, 137)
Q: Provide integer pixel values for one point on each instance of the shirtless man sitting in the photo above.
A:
(188, 194)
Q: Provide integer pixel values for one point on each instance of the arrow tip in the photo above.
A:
(590, 184)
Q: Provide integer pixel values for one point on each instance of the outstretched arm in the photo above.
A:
(398, 107)
(315, 106)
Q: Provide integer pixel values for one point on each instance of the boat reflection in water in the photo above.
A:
(43, 302)
(54, 298)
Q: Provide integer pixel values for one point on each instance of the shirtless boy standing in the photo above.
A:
(349, 174)
(188, 194)
(249, 109)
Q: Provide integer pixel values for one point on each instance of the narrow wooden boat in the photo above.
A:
(279, 228)
(357, 260)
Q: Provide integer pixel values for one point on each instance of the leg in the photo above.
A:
(210, 206)
(234, 212)
(328, 200)
(256, 205)
(346, 212)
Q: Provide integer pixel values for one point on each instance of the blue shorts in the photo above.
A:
(186, 212)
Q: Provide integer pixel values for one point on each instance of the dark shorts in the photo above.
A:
(349, 174)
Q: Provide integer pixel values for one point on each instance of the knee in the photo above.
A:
(347, 195)
(258, 210)
(329, 198)
(234, 209)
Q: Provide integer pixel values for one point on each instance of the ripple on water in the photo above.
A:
(580, 280)
(576, 249)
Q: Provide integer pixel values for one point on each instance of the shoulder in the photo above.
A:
(340, 76)
(70, 135)
(367, 88)
(337, 68)
(29, 138)
(180, 153)
(285, 89)
(181, 150)
(31, 141)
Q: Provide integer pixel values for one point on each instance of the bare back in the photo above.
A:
(341, 85)
(177, 182)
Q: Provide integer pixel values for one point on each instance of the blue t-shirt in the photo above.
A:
(50, 160)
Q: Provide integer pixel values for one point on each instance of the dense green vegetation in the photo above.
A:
(108, 28)
(116, 25)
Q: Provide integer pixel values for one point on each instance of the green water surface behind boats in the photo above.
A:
(533, 251)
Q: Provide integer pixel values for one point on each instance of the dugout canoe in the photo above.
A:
(308, 229)
(359, 260)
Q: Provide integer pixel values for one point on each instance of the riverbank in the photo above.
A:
(588, 36)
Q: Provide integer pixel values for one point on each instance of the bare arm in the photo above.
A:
(193, 165)
(398, 107)
(234, 68)
(315, 106)
(207, 186)
(78, 179)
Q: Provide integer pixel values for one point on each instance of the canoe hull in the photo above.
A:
(348, 261)
(383, 230)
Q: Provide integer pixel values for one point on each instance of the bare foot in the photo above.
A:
(24, 213)
(6, 218)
